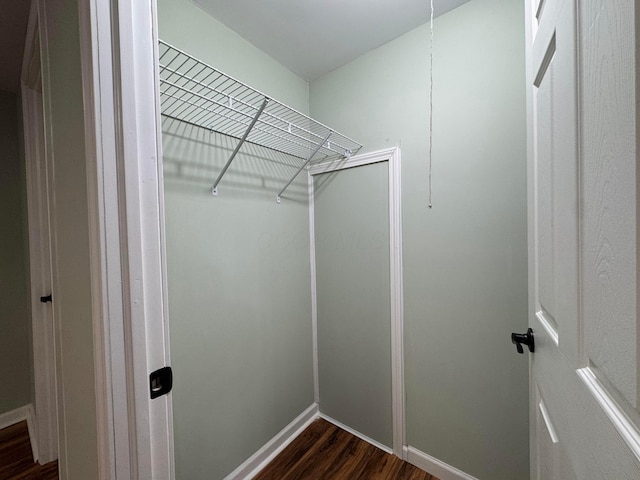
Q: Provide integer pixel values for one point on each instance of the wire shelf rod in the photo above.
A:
(246, 115)
(281, 151)
(207, 77)
(340, 149)
(278, 145)
(205, 113)
(204, 68)
(311, 120)
(239, 100)
(239, 123)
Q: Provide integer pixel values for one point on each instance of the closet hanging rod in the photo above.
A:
(197, 94)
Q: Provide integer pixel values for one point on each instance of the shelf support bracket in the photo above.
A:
(304, 165)
(214, 189)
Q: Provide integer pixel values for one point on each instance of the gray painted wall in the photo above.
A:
(72, 288)
(465, 278)
(351, 209)
(238, 268)
(15, 345)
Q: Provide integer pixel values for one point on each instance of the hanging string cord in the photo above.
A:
(431, 107)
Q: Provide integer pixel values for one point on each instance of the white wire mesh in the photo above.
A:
(193, 92)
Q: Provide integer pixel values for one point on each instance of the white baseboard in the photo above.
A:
(33, 432)
(12, 417)
(373, 442)
(434, 466)
(21, 414)
(269, 451)
(259, 460)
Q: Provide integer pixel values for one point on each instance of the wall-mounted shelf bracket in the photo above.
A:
(214, 189)
(302, 167)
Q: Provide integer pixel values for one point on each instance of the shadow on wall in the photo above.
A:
(193, 158)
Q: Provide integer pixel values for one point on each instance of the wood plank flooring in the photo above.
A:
(16, 459)
(324, 451)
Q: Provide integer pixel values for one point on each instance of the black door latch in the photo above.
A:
(160, 382)
(524, 338)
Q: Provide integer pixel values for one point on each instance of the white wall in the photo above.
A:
(465, 261)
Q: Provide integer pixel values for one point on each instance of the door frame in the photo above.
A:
(393, 158)
(119, 54)
(45, 438)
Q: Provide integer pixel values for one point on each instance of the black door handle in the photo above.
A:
(524, 338)
(46, 299)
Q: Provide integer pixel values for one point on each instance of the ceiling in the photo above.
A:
(313, 37)
(14, 15)
(309, 37)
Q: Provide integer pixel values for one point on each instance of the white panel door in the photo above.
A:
(583, 270)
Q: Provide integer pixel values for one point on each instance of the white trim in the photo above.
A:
(127, 266)
(397, 301)
(17, 415)
(21, 414)
(546, 324)
(393, 157)
(163, 452)
(142, 223)
(50, 190)
(434, 466)
(44, 439)
(98, 129)
(625, 427)
(355, 161)
(254, 464)
(369, 440)
(32, 427)
(314, 297)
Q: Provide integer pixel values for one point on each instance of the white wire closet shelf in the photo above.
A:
(196, 93)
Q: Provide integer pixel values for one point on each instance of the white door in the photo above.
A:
(583, 271)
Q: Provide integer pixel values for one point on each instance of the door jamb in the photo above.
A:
(119, 56)
(393, 158)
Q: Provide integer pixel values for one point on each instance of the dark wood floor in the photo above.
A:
(324, 451)
(16, 459)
